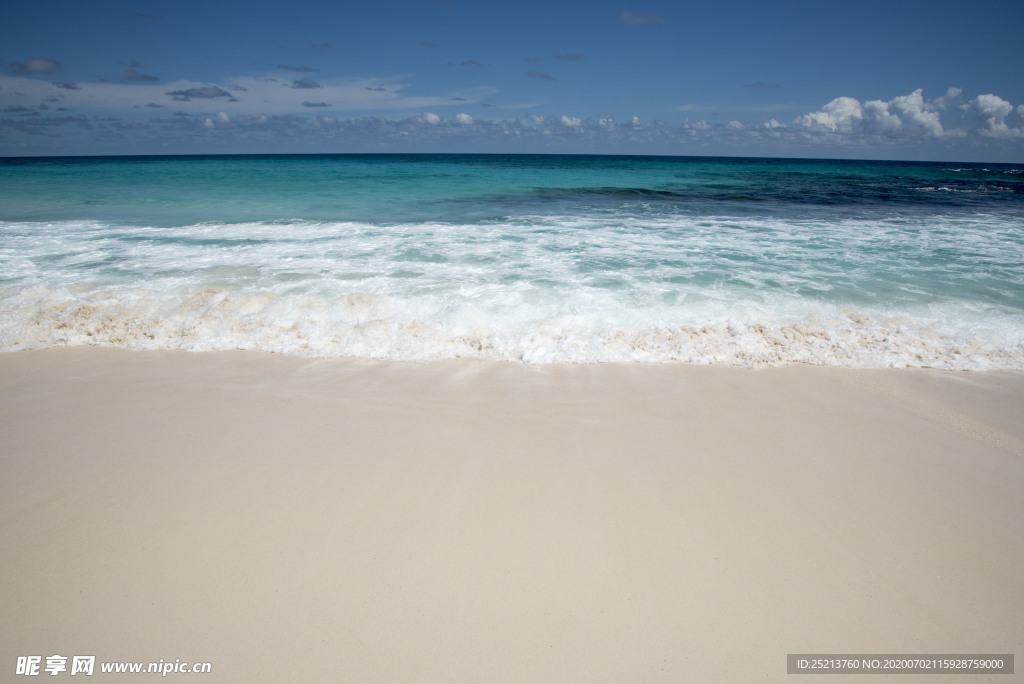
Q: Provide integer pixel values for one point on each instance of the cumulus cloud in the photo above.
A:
(952, 95)
(837, 116)
(35, 65)
(637, 18)
(538, 75)
(464, 119)
(916, 115)
(904, 116)
(990, 112)
(431, 118)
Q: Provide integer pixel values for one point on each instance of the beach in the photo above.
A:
(295, 519)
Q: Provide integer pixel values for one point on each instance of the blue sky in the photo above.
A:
(892, 80)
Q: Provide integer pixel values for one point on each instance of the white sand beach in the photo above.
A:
(288, 519)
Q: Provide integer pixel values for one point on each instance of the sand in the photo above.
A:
(289, 519)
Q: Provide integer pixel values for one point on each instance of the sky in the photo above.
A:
(897, 79)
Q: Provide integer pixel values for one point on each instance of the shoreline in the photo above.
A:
(343, 519)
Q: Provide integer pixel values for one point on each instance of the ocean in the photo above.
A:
(522, 258)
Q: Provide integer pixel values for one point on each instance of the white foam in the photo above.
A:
(737, 291)
(371, 326)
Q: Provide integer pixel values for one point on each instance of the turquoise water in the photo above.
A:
(519, 257)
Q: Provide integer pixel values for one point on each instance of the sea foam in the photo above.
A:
(374, 326)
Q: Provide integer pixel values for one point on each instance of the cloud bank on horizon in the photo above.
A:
(583, 97)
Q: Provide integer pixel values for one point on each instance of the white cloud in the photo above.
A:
(916, 114)
(463, 118)
(951, 95)
(875, 115)
(431, 118)
(991, 111)
(903, 116)
(571, 121)
(840, 115)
